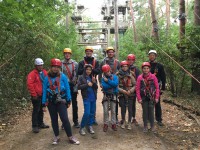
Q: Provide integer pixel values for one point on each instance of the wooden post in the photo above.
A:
(116, 29)
(182, 19)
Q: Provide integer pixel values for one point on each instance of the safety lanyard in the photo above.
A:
(69, 73)
(126, 82)
(55, 84)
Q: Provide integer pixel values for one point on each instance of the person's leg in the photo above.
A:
(54, 118)
(36, 108)
(92, 112)
(62, 110)
(130, 109)
(151, 114)
(74, 107)
(86, 114)
(158, 113)
(123, 112)
(113, 115)
(41, 123)
(105, 115)
(145, 114)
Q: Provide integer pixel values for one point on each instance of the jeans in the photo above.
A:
(89, 112)
(61, 109)
(37, 114)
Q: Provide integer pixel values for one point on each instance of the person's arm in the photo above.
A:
(100, 74)
(81, 84)
(157, 88)
(132, 90)
(163, 77)
(114, 82)
(137, 72)
(67, 87)
(30, 84)
(105, 84)
(44, 91)
(96, 70)
(138, 86)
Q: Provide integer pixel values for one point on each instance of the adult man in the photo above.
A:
(34, 84)
(131, 60)
(89, 59)
(158, 70)
(70, 68)
(114, 65)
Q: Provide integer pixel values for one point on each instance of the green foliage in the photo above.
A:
(30, 29)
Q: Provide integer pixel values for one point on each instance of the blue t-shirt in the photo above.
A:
(90, 91)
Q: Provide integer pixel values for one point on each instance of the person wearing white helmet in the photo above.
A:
(158, 70)
(34, 84)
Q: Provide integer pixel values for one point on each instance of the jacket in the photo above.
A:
(141, 90)
(83, 86)
(126, 82)
(89, 60)
(110, 87)
(34, 82)
(64, 88)
(158, 70)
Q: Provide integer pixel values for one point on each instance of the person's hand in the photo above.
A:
(44, 109)
(140, 101)
(93, 79)
(90, 83)
(68, 104)
(128, 93)
(105, 79)
(125, 92)
(156, 100)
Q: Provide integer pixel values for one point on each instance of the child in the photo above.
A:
(147, 90)
(88, 86)
(126, 92)
(110, 89)
(56, 95)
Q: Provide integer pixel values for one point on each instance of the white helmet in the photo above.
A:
(152, 51)
(39, 61)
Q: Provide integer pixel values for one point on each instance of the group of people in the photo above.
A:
(120, 82)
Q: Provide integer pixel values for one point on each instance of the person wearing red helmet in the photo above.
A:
(147, 91)
(126, 93)
(34, 85)
(56, 96)
(110, 90)
(131, 58)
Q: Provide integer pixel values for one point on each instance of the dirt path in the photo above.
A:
(20, 137)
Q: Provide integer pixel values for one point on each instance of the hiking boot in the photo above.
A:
(82, 131)
(129, 126)
(35, 130)
(134, 121)
(43, 126)
(114, 127)
(105, 128)
(76, 125)
(74, 141)
(56, 139)
(90, 129)
(145, 130)
(160, 123)
(123, 125)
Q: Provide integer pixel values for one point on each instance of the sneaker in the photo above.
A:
(74, 141)
(90, 129)
(56, 139)
(114, 127)
(105, 128)
(123, 125)
(82, 131)
(160, 123)
(129, 126)
(35, 130)
(43, 126)
(145, 130)
(76, 125)
(152, 129)
(134, 121)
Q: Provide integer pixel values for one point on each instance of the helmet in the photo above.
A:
(124, 63)
(39, 61)
(106, 68)
(56, 62)
(146, 64)
(152, 51)
(67, 50)
(110, 48)
(131, 57)
(88, 48)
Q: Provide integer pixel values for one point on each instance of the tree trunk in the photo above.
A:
(196, 56)
(168, 15)
(133, 22)
(182, 19)
(154, 21)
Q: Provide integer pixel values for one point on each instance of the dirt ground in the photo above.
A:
(179, 132)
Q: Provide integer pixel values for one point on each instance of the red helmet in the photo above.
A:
(131, 57)
(146, 64)
(56, 62)
(124, 63)
(106, 68)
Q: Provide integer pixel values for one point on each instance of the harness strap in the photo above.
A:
(55, 84)
(69, 73)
